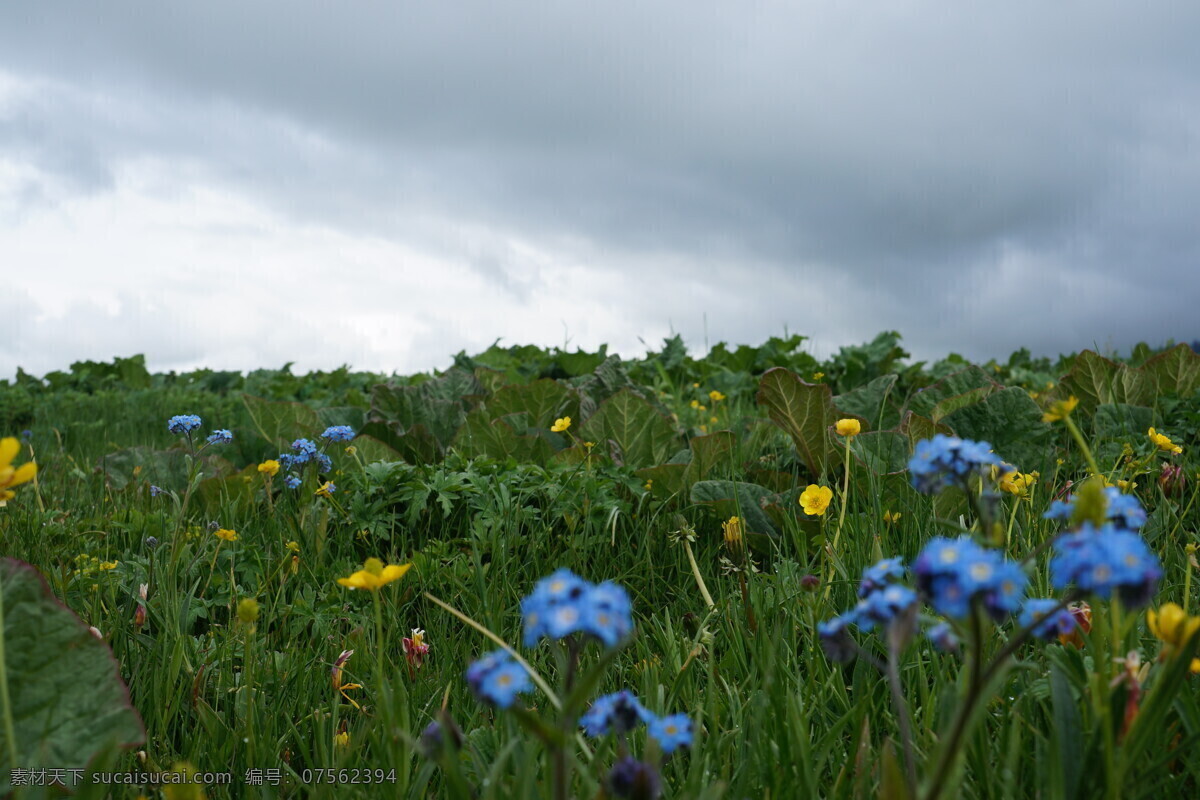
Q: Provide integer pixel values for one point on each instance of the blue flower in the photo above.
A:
(564, 603)
(634, 779)
(498, 679)
(884, 605)
(183, 423)
(291, 482)
(943, 638)
(950, 572)
(27, 434)
(619, 711)
(1106, 560)
(305, 451)
(607, 613)
(1049, 625)
(671, 732)
(835, 638)
(1007, 591)
(947, 460)
(338, 433)
(286, 460)
(324, 464)
(221, 436)
(880, 574)
(155, 491)
(1123, 509)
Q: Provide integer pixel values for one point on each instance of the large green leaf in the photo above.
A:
(1096, 380)
(882, 452)
(917, 427)
(737, 498)
(407, 407)
(543, 401)
(643, 436)
(167, 469)
(281, 423)
(1012, 423)
(506, 437)
(1118, 420)
(706, 454)
(803, 410)
(870, 402)
(371, 449)
(415, 445)
(1176, 371)
(972, 383)
(68, 700)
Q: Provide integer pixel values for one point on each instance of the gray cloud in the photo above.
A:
(979, 180)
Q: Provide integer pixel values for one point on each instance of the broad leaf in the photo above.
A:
(1096, 380)
(1118, 420)
(803, 410)
(282, 423)
(956, 384)
(643, 436)
(870, 402)
(68, 701)
(1176, 371)
(1012, 423)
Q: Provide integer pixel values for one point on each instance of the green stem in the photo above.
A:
(687, 548)
(1087, 451)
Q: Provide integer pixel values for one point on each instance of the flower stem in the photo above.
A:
(687, 548)
(1087, 451)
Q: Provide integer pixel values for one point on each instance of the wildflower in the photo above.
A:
(890, 517)
(1123, 510)
(184, 783)
(943, 638)
(564, 603)
(1103, 560)
(810, 583)
(183, 423)
(671, 732)
(221, 436)
(326, 489)
(291, 482)
(1128, 486)
(816, 376)
(1082, 614)
(293, 546)
(107, 565)
(848, 427)
(619, 711)
(634, 779)
(561, 424)
(96, 632)
(351, 450)
(26, 434)
(945, 460)
(342, 739)
(497, 679)
(1048, 618)
(415, 648)
(880, 574)
(715, 396)
(952, 572)
(247, 611)
(835, 639)
(815, 499)
(1171, 480)
(1164, 443)
(1060, 409)
(1017, 483)
(226, 534)
(155, 491)
(11, 476)
(269, 467)
(734, 540)
(338, 664)
(374, 575)
(649, 484)
(338, 433)
(1172, 625)
(139, 617)
(152, 542)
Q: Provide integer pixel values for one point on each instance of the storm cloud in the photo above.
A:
(240, 185)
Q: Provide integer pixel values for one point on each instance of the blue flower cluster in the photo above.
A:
(564, 603)
(1049, 618)
(1123, 510)
(620, 711)
(947, 460)
(338, 433)
(881, 601)
(221, 436)
(497, 679)
(953, 572)
(1106, 560)
(183, 423)
(155, 491)
(292, 482)
(305, 451)
(632, 778)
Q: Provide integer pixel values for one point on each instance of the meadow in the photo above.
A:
(551, 574)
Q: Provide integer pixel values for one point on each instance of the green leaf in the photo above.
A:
(543, 401)
(167, 469)
(917, 427)
(1120, 421)
(803, 410)
(1066, 735)
(736, 498)
(502, 438)
(956, 384)
(882, 452)
(869, 402)
(68, 700)
(676, 477)
(1176, 371)
(371, 449)
(1011, 422)
(1096, 380)
(415, 445)
(282, 423)
(643, 436)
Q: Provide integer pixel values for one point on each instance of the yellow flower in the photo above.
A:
(815, 499)
(889, 516)
(11, 476)
(713, 420)
(848, 427)
(1163, 442)
(1126, 486)
(1017, 483)
(374, 574)
(342, 739)
(293, 546)
(589, 445)
(326, 489)
(105, 565)
(715, 396)
(1060, 409)
(184, 785)
(816, 376)
(649, 484)
(226, 534)
(1173, 625)
(247, 610)
(561, 424)
(732, 529)
(269, 467)
(351, 450)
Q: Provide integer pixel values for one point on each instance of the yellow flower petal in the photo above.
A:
(9, 447)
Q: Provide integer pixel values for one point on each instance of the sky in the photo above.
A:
(382, 184)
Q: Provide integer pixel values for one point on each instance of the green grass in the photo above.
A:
(773, 716)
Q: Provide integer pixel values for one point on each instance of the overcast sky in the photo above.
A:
(237, 185)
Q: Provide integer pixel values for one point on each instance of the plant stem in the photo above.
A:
(687, 548)
(1087, 451)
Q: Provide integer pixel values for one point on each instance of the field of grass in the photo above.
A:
(213, 579)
